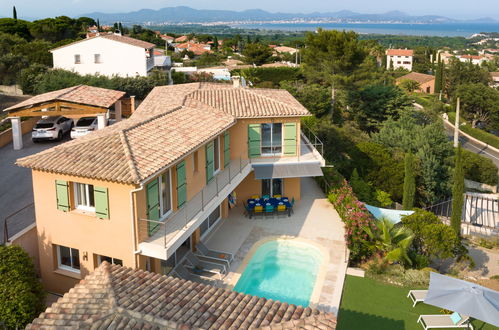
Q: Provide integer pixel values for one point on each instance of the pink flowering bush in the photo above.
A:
(355, 217)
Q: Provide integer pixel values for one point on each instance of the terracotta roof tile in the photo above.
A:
(117, 297)
(399, 52)
(81, 94)
(115, 37)
(181, 117)
(416, 76)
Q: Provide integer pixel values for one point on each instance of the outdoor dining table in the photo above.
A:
(270, 201)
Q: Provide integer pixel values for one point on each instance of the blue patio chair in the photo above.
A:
(266, 197)
(248, 211)
(269, 211)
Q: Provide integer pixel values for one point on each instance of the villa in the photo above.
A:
(183, 169)
(399, 58)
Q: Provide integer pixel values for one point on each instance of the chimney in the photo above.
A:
(236, 81)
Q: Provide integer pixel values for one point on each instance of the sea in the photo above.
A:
(422, 29)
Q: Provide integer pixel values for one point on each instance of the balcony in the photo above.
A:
(168, 235)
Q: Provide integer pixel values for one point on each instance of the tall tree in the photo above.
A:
(409, 182)
(457, 192)
(14, 13)
(215, 43)
(479, 103)
(439, 76)
(120, 27)
(98, 25)
(257, 54)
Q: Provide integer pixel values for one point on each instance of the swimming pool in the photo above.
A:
(284, 270)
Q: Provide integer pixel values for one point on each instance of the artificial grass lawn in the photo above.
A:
(369, 304)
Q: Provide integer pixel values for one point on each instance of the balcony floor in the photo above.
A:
(314, 219)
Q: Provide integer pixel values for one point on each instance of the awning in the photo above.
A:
(280, 171)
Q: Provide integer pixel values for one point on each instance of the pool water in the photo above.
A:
(283, 270)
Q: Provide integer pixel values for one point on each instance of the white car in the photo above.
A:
(83, 126)
(51, 128)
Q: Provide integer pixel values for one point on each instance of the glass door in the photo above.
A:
(266, 187)
(266, 139)
(272, 187)
(277, 187)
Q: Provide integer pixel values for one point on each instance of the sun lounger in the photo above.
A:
(417, 296)
(205, 251)
(204, 264)
(181, 272)
(443, 321)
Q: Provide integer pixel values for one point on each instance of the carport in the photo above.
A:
(73, 102)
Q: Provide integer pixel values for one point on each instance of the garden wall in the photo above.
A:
(26, 126)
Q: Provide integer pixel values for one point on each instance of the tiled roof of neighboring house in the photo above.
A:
(399, 52)
(115, 297)
(196, 48)
(472, 57)
(181, 39)
(181, 117)
(495, 74)
(416, 76)
(81, 94)
(284, 49)
(115, 37)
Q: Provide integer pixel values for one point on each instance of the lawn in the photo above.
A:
(369, 304)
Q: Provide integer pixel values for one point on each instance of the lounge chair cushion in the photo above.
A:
(455, 317)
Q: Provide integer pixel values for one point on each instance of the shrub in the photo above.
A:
(478, 168)
(275, 75)
(22, 295)
(361, 188)
(355, 217)
(383, 198)
(476, 132)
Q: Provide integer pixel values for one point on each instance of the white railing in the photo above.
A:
(181, 219)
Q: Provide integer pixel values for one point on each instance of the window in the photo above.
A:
(216, 151)
(166, 193)
(97, 58)
(84, 197)
(196, 161)
(68, 258)
(272, 187)
(113, 261)
(271, 139)
(210, 222)
(77, 59)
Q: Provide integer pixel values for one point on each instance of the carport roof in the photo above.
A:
(80, 94)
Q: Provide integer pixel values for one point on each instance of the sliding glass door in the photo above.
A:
(271, 139)
(272, 187)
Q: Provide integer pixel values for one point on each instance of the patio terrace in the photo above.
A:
(314, 219)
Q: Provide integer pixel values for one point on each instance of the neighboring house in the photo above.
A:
(106, 54)
(194, 47)
(284, 49)
(118, 297)
(495, 79)
(167, 38)
(475, 59)
(219, 73)
(399, 58)
(140, 192)
(181, 39)
(445, 56)
(426, 81)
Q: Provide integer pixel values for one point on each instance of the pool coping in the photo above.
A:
(321, 274)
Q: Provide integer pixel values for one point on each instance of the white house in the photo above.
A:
(106, 54)
(475, 59)
(399, 58)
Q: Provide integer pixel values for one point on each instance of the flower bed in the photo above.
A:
(355, 216)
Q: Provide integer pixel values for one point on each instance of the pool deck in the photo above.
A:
(314, 219)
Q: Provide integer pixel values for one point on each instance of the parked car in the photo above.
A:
(83, 126)
(51, 128)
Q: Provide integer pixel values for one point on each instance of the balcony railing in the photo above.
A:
(163, 232)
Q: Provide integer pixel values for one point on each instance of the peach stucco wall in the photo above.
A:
(90, 235)
(251, 186)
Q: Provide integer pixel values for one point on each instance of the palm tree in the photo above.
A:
(392, 240)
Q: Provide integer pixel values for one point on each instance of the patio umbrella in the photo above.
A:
(463, 297)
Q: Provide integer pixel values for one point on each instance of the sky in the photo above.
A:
(460, 9)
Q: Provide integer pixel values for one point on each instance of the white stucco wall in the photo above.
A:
(116, 58)
(400, 59)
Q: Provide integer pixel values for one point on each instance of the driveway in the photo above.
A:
(16, 190)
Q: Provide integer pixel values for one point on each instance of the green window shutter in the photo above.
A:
(152, 191)
(101, 202)
(210, 164)
(181, 184)
(226, 148)
(254, 140)
(62, 194)
(290, 140)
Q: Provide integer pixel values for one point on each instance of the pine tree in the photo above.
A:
(215, 43)
(98, 25)
(457, 192)
(120, 27)
(409, 183)
(14, 12)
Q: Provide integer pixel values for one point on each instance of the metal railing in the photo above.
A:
(179, 221)
(6, 222)
(317, 143)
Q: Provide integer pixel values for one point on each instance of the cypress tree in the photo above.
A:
(409, 183)
(120, 26)
(14, 12)
(98, 25)
(457, 192)
(438, 80)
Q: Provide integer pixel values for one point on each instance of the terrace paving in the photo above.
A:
(314, 219)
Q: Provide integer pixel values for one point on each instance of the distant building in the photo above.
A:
(106, 54)
(399, 58)
(181, 39)
(284, 49)
(194, 47)
(475, 59)
(426, 81)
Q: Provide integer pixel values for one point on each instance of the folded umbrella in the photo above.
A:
(464, 297)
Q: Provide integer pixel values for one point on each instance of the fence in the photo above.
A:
(169, 228)
(15, 222)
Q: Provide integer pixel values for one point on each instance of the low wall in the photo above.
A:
(479, 186)
(28, 240)
(11, 90)
(26, 127)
